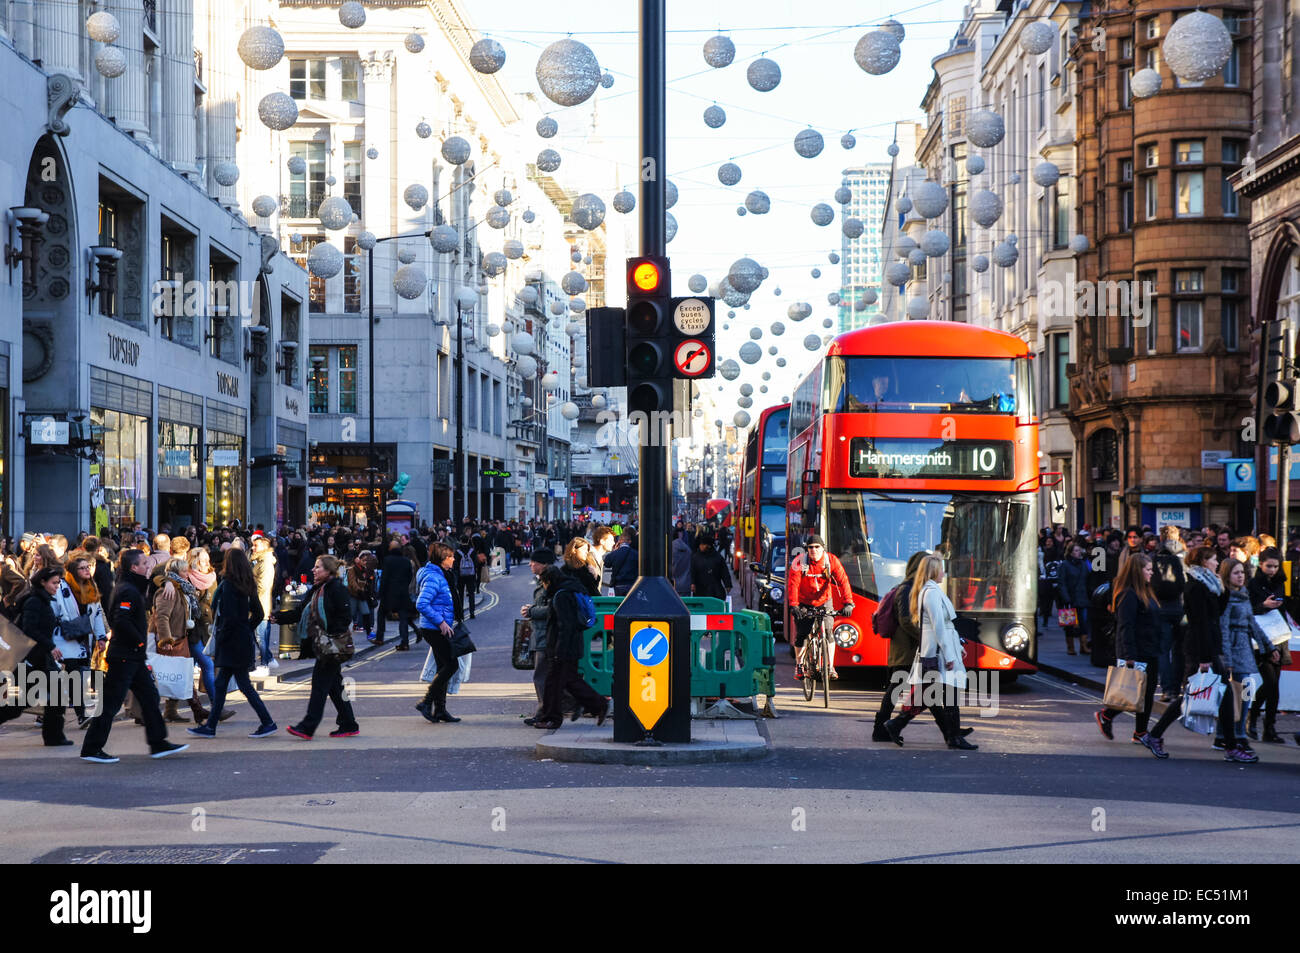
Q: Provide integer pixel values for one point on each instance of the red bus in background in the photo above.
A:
(761, 513)
(718, 511)
(922, 435)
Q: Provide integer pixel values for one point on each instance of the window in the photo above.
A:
(1189, 281)
(290, 327)
(352, 175)
(1042, 96)
(1126, 48)
(957, 116)
(1231, 160)
(318, 381)
(1189, 325)
(1060, 360)
(307, 79)
(223, 307)
(1230, 308)
(1151, 58)
(299, 251)
(1189, 152)
(351, 69)
(1146, 287)
(1126, 210)
(1126, 170)
(471, 398)
(485, 405)
(1150, 197)
(1189, 194)
(1232, 68)
(1153, 28)
(347, 365)
(1151, 156)
(108, 236)
(352, 279)
(1063, 213)
(307, 189)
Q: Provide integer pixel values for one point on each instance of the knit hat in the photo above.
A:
(545, 557)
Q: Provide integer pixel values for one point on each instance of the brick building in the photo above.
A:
(1161, 382)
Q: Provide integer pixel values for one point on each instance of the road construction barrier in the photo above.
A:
(732, 653)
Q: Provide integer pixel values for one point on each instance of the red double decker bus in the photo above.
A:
(922, 435)
(761, 513)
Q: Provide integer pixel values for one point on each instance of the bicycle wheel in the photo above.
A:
(828, 659)
(809, 670)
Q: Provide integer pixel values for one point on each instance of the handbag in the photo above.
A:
(340, 647)
(461, 643)
(14, 646)
(99, 657)
(174, 676)
(1125, 687)
(76, 630)
(930, 664)
(1067, 617)
(521, 649)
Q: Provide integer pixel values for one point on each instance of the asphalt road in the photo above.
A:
(1044, 786)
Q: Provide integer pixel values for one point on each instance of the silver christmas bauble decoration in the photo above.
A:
(1197, 46)
(670, 227)
(851, 227)
(295, 238)
(728, 173)
(569, 410)
(1037, 37)
(557, 307)
(741, 419)
(606, 80)
(577, 305)
(423, 130)
(935, 243)
(110, 62)
(755, 334)
(714, 116)
(456, 150)
(719, 51)
(324, 260)
(575, 256)
(777, 328)
(750, 352)
(979, 264)
(335, 213)
(896, 28)
(812, 342)
(1079, 244)
(741, 211)
(697, 284)
(877, 52)
(985, 128)
(904, 205)
(352, 14)
(729, 369)
(930, 199)
(409, 282)
(918, 308)
(547, 127)
(745, 402)
(869, 297)
(588, 211)
(494, 262)
(897, 273)
(892, 149)
(974, 165)
(745, 275)
(670, 194)
(833, 298)
(366, 241)
(297, 165)
(985, 208)
(260, 47)
(599, 401)
(528, 216)
(487, 56)
(763, 75)
(102, 27)
(903, 245)
(860, 305)
(1005, 254)
(746, 389)
(1145, 83)
(513, 249)
(1014, 178)
(444, 239)
(780, 362)
(331, 181)
(843, 195)
(734, 298)
(502, 197)
(822, 214)
(916, 258)
(624, 202)
(833, 258)
(413, 42)
(264, 206)
(827, 323)
(567, 72)
(1046, 174)
(816, 272)
(527, 294)
(798, 311)
(498, 217)
(848, 141)
(809, 143)
(493, 329)
(522, 343)
(758, 202)
(548, 160)
(416, 196)
(372, 153)
(527, 367)
(573, 283)
(277, 111)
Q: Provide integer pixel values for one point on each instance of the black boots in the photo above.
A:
(953, 730)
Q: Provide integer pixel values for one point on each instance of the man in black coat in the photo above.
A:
(395, 594)
(709, 573)
(127, 670)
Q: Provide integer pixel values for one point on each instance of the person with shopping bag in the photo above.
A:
(37, 619)
(324, 613)
(1240, 634)
(175, 606)
(238, 612)
(1267, 590)
(1072, 597)
(437, 623)
(81, 622)
(127, 668)
(565, 631)
(1202, 601)
(1137, 647)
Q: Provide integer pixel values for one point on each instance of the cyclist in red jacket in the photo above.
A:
(815, 577)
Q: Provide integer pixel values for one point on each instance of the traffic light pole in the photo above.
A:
(1284, 451)
(652, 627)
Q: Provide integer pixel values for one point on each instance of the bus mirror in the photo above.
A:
(810, 478)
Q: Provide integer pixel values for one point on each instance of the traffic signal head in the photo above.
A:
(646, 276)
(649, 362)
(1281, 419)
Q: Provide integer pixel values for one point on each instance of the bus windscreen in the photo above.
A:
(983, 385)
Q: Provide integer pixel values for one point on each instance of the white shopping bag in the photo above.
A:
(173, 676)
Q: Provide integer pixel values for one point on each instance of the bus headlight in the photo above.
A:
(1015, 638)
(846, 636)
(776, 594)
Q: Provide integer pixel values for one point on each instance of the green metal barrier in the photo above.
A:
(726, 662)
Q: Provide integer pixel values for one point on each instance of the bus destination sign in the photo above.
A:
(914, 459)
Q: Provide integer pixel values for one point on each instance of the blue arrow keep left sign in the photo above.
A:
(649, 647)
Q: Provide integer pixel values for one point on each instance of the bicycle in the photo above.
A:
(818, 654)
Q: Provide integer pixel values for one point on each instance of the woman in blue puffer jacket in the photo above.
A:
(437, 622)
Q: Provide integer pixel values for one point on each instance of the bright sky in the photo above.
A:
(821, 86)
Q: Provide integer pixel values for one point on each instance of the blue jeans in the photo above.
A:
(263, 637)
(205, 669)
(360, 613)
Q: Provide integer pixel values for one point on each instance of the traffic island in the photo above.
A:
(712, 742)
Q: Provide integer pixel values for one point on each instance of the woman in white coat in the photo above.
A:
(939, 660)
